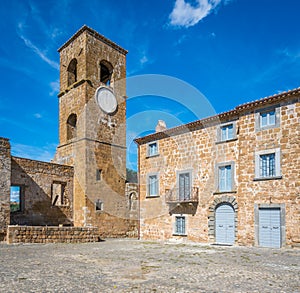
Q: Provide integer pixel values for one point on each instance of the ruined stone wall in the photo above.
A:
(201, 152)
(42, 234)
(37, 181)
(5, 172)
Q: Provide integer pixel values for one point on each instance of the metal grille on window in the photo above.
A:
(180, 225)
(267, 165)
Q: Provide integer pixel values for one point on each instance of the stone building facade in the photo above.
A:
(85, 185)
(231, 179)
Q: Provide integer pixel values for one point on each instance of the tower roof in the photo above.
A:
(97, 36)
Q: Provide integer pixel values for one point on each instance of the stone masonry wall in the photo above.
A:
(98, 149)
(5, 170)
(200, 152)
(41, 234)
(37, 181)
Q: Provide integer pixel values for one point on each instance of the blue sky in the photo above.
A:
(232, 51)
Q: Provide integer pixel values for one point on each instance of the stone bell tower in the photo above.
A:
(92, 129)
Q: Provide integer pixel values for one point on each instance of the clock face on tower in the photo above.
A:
(106, 100)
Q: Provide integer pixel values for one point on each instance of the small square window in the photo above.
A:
(180, 223)
(152, 149)
(153, 185)
(226, 131)
(267, 118)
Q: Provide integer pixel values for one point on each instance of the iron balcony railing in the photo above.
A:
(180, 195)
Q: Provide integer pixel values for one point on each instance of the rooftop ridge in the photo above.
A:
(96, 35)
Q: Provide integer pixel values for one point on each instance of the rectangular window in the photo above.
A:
(15, 198)
(57, 193)
(184, 186)
(267, 164)
(99, 205)
(180, 225)
(153, 185)
(98, 174)
(267, 118)
(152, 149)
(227, 132)
(225, 178)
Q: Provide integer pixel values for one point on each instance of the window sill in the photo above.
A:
(152, 156)
(152, 196)
(222, 192)
(177, 234)
(261, 128)
(227, 140)
(267, 178)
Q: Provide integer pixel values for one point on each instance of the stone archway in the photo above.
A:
(225, 199)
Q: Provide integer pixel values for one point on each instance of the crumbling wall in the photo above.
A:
(41, 203)
(5, 166)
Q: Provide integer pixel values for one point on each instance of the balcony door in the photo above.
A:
(184, 186)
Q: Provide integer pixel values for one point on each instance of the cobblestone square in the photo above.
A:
(122, 265)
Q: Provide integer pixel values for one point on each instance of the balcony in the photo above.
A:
(180, 195)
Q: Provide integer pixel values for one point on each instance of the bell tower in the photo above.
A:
(92, 128)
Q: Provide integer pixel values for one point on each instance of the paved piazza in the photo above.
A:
(140, 266)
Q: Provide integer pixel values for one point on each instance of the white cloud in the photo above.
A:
(40, 53)
(54, 87)
(44, 153)
(186, 15)
(143, 60)
(38, 115)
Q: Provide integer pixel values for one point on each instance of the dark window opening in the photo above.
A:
(99, 175)
(106, 71)
(72, 72)
(99, 205)
(71, 126)
(15, 198)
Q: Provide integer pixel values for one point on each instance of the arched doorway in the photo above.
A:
(224, 225)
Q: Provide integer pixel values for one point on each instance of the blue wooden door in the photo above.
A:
(269, 227)
(225, 228)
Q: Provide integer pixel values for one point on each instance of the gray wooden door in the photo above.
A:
(184, 186)
(225, 227)
(269, 227)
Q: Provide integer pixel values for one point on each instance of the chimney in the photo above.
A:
(161, 126)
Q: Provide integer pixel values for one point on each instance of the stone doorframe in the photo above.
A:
(225, 199)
